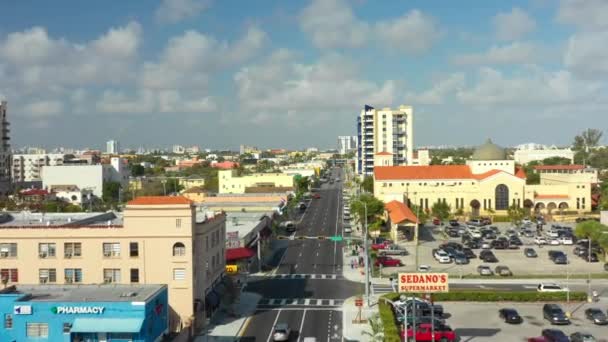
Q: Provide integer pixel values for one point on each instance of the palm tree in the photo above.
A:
(377, 333)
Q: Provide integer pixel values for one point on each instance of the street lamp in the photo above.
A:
(366, 252)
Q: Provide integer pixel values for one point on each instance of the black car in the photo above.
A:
(454, 223)
(554, 314)
(558, 257)
(487, 256)
(554, 335)
(530, 253)
(424, 309)
(469, 253)
(473, 243)
(452, 233)
(514, 240)
(606, 267)
(581, 337)
(589, 257)
(510, 316)
(451, 244)
(500, 244)
(596, 316)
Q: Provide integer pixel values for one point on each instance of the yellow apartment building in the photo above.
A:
(230, 183)
(488, 184)
(158, 240)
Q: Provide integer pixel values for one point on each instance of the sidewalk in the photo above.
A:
(355, 331)
(226, 325)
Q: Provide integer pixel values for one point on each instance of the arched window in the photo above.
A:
(502, 197)
(179, 249)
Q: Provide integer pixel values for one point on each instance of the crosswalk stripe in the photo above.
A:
(313, 302)
(304, 276)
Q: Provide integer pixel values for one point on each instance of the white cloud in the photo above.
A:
(513, 25)
(333, 24)
(307, 92)
(172, 11)
(587, 14)
(43, 109)
(439, 92)
(413, 32)
(148, 101)
(512, 53)
(587, 54)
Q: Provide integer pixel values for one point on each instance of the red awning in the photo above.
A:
(239, 253)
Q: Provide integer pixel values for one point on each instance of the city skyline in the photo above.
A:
(204, 73)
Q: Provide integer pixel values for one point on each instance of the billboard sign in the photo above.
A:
(232, 240)
(423, 282)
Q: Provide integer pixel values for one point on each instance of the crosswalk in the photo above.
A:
(381, 289)
(308, 302)
(304, 276)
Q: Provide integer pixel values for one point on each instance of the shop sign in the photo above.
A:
(423, 282)
(67, 310)
(232, 269)
(22, 310)
(232, 240)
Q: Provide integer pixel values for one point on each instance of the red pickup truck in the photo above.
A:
(423, 333)
(388, 261)
(381, 245)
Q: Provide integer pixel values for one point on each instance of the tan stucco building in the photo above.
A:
(488, 183)
(230, 183)
(159, 241)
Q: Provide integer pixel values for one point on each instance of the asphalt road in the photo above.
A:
(306, 290)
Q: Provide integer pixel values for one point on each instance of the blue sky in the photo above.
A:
(296, 73)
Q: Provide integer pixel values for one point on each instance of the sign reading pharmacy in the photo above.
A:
(68, 310)
(423, 282)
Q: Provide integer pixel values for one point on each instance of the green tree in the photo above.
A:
(532, 177)
(377, 329)
(584, 144)
(302, 184)
(137, 170)
(441, 210)
(516, 214)
(556, 161)
(368, 184)
(593, 230)
(375, 207)
(111, 191)
(436, 160)
(422, 214)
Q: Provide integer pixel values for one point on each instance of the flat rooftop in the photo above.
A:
(41, 220)
(84, 293)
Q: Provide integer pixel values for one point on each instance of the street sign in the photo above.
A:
(232, 269)
(359, 302)
(335, 238)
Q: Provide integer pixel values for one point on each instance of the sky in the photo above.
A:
(296, 74)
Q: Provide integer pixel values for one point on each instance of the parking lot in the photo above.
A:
(518, 263)
(478, 322)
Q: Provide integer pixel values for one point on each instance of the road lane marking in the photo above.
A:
(244, 327)
(301, 325)
(273, 325)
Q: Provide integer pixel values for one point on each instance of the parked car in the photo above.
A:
(347, 228)
(452, 233)
(441, 256)
(454, 223)
(380, 245)
(436, 221)
(554, 314)
(606, 267)
(500, 244)
(554, 335)
(539, 240)
(550, 287)
(386, 261)
(473, 244)
(424, 333)
(460, 258)
(469, 253)
(553, 233)
(424, 268)
(316, 196)
(596, 316)
(487, 256)
(510, 316)
(558, 257)
(486, 245)
(503, 271)
(514, 240)
(530, 253)
(281, 332)
(589, 257)
(582, 337)
(392, 250)
(484, 270)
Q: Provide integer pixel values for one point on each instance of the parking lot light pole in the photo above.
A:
(589, 272)
(366, 252)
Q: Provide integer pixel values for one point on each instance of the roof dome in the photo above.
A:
(489, 151)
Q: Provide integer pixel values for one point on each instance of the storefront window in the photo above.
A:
(37, 330)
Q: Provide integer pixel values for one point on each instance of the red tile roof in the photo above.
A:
(486, 174)
(519, 172)
(225, 165)
(559, 167)
(551, 196)
(384, 153)
(34, 192)
(159, 200)
(399, 212)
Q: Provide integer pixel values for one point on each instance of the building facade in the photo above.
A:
(5, 152)
(230, 183)
(112, 147)
(534, 152)
(160, 241)
(87, 177)
(66, 313)
(488, 184)
(347, 144)
(384, 130)
(28, 167)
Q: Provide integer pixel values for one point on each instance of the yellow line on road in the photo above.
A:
(244, 327)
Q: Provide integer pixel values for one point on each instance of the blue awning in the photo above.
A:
(109, 325)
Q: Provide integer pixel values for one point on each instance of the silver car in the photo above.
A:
(281, 332)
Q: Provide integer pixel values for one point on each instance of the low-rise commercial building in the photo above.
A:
(230, 183)
(534, 152)
(28, 167)
(157, 240)
(81, 313)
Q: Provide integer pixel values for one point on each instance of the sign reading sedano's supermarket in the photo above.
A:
(68, 310)
(423, 282)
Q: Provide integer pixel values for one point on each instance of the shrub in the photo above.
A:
(501, 218)
(487, 296)
(391, 330)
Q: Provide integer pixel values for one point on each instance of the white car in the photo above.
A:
(566, 240)
(424, 268)
(348, 229)
(554, 242)
(486, 245)
(550, 287)
(474, 233)
(442, 257)
(552, 234)
(539, 240)
(281, 332)
(526, 221)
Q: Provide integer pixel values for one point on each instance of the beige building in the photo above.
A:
(384, 130)
(534, 152)
(159, 240)
(230, 183)
(489, 183)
